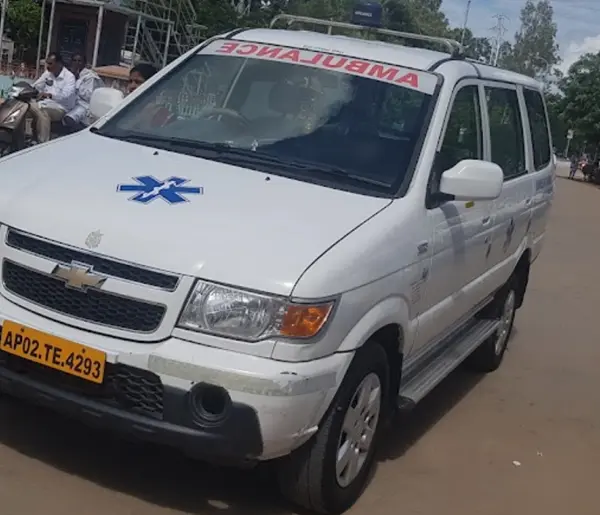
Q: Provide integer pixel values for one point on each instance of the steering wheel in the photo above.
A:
(214, 112)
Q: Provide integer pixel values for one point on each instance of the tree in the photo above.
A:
(558, 124)
(535, 51)
(217, 15)
(417, 16)
(23, 23)
(581, 103)
(475, 47)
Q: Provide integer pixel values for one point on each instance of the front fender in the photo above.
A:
(360, 314)
(392, 310)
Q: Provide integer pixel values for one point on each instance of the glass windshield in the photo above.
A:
(308, 115)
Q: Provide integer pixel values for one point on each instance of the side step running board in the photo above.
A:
(434, 372)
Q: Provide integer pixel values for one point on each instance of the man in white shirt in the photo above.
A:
(86, 81)
(57, 96)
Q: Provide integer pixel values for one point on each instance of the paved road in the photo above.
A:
(525, 440)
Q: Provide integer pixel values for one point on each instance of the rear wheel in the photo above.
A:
(329, 473)
(490, 353)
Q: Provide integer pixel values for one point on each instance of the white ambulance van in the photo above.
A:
(274, 243)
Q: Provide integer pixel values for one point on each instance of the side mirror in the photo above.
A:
(104, 100)
(473, 180)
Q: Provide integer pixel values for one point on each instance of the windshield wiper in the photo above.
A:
(200, 148)
(150, 139)
(241, 155)
(338, 172)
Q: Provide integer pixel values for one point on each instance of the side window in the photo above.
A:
(542, 154)
(463, 136)
(506, 131)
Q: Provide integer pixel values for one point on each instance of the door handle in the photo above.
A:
(528, 201)
(486, 220)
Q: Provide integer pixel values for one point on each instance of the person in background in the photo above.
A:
(152, 115)
(57, 96)
(573, 166)
(86, 81)
(140, 74)
(583, 161)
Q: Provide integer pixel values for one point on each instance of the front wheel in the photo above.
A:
(329, 473)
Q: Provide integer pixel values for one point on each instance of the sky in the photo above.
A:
(578, 22)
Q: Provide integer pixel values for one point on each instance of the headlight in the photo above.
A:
(250, 316)
(14, 91)
(13, 116)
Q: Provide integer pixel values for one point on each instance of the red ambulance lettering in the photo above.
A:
(247, 49)
(270, 52)
(358, 67)
(380, 72)
(329, 62)
(412, 79)
(291, 55)
(227, 48)
(313, 60)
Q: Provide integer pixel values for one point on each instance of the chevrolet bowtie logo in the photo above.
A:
(79, 277)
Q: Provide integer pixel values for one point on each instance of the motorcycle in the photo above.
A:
(14, 135)
(591, 172)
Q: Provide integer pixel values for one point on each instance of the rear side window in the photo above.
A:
(538, 122)
(506, 131)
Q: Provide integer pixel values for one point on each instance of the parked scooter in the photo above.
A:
(13, 115)
(13, 118)
(591, 172)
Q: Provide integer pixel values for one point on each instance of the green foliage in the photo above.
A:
(23, 22)
(580, 105)
(535, 51)
(475, 47)
(558, 124)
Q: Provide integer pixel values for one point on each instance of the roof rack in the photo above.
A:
(455, 48)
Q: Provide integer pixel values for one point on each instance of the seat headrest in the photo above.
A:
(289, 99)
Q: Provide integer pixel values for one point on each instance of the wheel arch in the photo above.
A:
(388, 324)
(391, 338)
(522, 273)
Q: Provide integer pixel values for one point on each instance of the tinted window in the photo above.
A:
(315, 124)
(463, 137)
(506, 131)
(538, 122)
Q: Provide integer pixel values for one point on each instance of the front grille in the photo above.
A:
(124, 387)
(92, 305)
(21, 241)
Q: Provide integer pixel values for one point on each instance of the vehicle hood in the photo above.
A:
(247, 228)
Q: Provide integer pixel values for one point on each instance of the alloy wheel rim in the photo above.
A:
(358, 430)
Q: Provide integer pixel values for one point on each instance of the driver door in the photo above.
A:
(461, 230)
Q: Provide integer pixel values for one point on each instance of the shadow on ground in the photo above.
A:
(161, 477)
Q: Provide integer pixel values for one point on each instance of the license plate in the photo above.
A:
(54, 352)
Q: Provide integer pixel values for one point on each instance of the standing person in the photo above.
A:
(57, 96)
(573, 166)
(86, 81)
(583, 161)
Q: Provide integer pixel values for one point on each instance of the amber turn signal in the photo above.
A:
(304, 321)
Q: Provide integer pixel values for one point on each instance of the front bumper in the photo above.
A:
(273, 406)
(236, 440)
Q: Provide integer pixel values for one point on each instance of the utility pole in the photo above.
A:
(499, 30)
(468, 9)
(2, 21)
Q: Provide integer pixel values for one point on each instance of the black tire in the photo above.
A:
(489, 355)
(308, 477)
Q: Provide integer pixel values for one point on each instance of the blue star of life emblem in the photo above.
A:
(171, 190)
